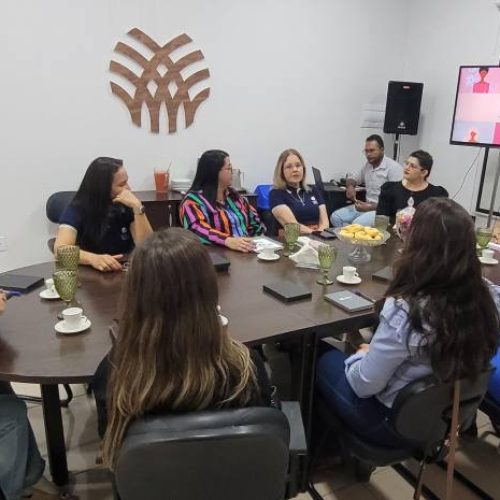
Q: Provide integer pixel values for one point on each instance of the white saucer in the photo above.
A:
(261, 256)
(62, 328)
(46, 294)
(223, 319)
(355, 281)
(490, 262)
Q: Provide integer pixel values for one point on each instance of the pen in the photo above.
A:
(361, 294)
(11, 293)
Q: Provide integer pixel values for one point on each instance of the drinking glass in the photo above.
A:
(381, 222)
(326, 255)
(66, 283)
(292, 231)
(162, 178)
(68, 257)
(483, 237)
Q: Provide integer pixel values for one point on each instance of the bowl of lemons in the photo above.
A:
(361, 237)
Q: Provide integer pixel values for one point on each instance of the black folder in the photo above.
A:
(287, 291)
(384, 274)
(220, 262)
(18, 282)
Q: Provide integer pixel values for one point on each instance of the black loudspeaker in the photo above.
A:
(402, 109)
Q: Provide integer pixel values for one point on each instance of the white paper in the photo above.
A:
(262, 242)
(373, 116)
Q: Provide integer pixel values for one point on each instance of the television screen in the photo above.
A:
(476, 119)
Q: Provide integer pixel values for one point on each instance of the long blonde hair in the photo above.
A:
(279, 181)
(172, 353)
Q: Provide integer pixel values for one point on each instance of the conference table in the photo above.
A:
(31, 351)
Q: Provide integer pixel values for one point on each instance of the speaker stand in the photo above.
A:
(395, 154)
(493, 194)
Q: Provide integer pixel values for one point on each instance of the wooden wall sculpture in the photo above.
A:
(150, 73)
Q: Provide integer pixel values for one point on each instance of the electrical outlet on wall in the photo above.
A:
(3, 244)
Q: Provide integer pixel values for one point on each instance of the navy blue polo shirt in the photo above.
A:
(303, 204)
(115, 238)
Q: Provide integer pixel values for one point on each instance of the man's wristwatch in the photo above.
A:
(140, 211)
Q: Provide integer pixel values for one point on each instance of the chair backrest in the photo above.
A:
(422, 410)
(318, 180)
(262, 192)
(56, 204)
(226, 454)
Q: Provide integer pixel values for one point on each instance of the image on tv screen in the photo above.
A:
(476, 120)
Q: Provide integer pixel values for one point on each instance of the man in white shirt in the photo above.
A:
(377, 171)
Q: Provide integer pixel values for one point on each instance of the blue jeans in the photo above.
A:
(20, 462)
(367, 417)
(349, 215)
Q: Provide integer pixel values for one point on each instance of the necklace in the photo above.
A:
(300, 198)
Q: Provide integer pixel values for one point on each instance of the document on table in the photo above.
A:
(262, 242)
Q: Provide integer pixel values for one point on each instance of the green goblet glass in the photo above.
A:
(381, 222)
(66, 283)
(326, 255)
(483, 237)
(292, 231)
(68, 257)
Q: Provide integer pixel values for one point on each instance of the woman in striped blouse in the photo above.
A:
(214, 211)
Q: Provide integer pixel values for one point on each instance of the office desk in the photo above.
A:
(335, 197)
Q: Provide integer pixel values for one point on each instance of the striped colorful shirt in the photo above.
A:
(233, 218)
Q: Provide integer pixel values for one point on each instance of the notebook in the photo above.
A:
(384, 274)
(349, 301)
(220, 262)
(18, 282)
(287, 291)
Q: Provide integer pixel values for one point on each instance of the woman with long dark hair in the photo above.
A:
(105, 218)
(214, 211)
(439, 316)
(172, 353)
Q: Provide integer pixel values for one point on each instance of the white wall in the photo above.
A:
(442, 35)
(283, 73)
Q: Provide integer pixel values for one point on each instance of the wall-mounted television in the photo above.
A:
(476, 118)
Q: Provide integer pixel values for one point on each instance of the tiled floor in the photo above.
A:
(478, 460)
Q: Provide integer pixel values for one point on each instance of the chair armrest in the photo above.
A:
(298, 444)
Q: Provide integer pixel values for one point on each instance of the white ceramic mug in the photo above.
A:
(267, 252)
(73, 317)
(349, 273)
(488, 254)
(49, 284)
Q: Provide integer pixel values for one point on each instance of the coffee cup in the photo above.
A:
(349, 273)
(49, 284)
(267, 252)
(73, 317)
(488, 254)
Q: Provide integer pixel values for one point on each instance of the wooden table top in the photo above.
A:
(31, 350)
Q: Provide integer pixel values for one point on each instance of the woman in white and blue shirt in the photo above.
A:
(439, 317)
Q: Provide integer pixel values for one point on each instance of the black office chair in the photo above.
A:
(492, 409)
(54, 208)
(240, 454)
(421, 415)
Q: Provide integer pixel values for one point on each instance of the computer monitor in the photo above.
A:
(476, 117)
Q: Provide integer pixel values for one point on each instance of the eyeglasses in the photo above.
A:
(413, 166)
(229, 169)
